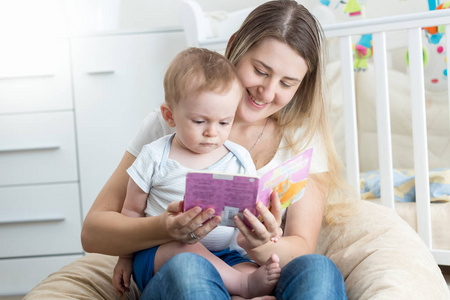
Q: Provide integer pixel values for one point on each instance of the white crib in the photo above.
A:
(413, 23)
(198, 34)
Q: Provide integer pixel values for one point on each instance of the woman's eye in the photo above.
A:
(260, 72)
(285, 84)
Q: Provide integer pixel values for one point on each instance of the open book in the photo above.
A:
(230, 194)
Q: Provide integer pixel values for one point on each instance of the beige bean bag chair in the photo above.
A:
(379, 255)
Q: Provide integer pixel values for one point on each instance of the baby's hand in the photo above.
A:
(122, 275)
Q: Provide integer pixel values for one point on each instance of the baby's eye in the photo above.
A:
(224, 123)
(198, 121)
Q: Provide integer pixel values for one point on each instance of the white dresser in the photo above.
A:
(68, 108)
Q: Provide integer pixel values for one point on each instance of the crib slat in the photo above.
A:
(400, 22)
(442, 257)
(383, 119)
(419, 135)
(350, 124)
(447, 29)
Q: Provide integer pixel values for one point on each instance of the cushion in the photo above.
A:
(88, 278)
(381, 257)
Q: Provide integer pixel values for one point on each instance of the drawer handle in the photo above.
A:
(101, 72)
(23, 76)
(30, 148)
(33, 220)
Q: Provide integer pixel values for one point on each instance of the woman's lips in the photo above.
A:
(255, 102)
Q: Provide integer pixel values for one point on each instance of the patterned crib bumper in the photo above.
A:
(404, 185)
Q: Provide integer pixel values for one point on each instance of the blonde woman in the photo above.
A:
(278, 56)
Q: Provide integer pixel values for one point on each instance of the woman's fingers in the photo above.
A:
(259, 229)
(272, 218)
(265, 231)
(196, 218)
(255, 236)
(181, 224)
(275, 207)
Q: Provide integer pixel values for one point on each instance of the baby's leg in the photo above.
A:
(259, 283)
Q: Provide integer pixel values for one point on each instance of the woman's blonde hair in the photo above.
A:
(292, 24)
(196, 70)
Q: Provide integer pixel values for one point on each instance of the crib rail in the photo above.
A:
(378, 27)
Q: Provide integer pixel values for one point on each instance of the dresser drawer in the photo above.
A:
(19, 276)
(35, 76)
(40, 220)
(37, 148)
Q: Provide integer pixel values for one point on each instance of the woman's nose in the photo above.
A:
(267, 91)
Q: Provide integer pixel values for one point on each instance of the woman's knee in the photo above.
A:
(187, 265)
(309, 275)
(186, 276)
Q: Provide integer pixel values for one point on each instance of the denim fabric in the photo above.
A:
(186, 276)
(190, 276)
(311, 277)
(143, 263)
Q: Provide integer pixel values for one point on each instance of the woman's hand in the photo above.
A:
(190, 226)
(262, 232)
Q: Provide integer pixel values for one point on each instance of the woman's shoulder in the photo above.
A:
(159, 144)
(319, 161)
(152, 128)
(242, 155)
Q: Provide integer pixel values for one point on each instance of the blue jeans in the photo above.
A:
(190, 276)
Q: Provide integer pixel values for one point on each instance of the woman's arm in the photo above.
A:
(107, 231)
(303, 222)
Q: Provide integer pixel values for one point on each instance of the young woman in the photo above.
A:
(278, 55)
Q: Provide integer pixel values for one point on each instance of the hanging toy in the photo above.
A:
(435, 54)
(435, 33)
(435, 73)
(434, 64)
(363, 50)
(353, 8)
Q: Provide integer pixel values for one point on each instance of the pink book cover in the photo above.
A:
(230, 194)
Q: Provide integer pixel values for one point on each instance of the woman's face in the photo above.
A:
(271, 73)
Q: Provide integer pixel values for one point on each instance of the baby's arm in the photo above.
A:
(134, 206)
(135, 201)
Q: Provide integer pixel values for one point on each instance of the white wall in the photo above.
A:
(152, 13)
(59, 16)
(156, 13)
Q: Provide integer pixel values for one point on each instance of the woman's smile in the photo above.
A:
(258, 104)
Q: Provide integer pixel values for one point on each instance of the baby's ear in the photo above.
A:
(167, 114)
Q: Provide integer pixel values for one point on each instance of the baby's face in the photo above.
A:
(203, 121)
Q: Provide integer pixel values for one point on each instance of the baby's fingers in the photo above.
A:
(126, 282)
